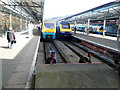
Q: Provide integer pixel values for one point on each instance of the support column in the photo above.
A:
(88, 26)
(75, 23)
(26, 24)
(118, 34)
(1, 23)
(21, 20)
(104, 27)
(10, 20)
(20, 23)
(30, 29)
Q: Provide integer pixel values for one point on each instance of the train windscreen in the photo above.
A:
(65, 26)
(49, 25)
(101, 28)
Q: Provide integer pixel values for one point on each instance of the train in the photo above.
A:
(97, 28)
(92, 29)
(48, 30)
(63, 30)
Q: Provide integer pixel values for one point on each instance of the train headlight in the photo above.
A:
(62, 32)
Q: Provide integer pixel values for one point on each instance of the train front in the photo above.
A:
(48, 30)
(64, 30)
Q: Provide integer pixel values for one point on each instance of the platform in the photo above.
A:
(108, 41)
(16, 62)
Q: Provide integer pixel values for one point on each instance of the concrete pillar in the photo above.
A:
(10, 20)
(75, 23)
(30, 29)
(20, 23)
(21, 20)
(104, 26)
(88, 26)
(1, 28)
(26, 24)
(118, 34)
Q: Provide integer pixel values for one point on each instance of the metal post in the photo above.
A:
(30, 29)
(75, 23)
(20, 23)
(1, 8)
(21, 20)
(104, 26)
(118, 34)
(26, 24)
(88, 26)
(10, 20)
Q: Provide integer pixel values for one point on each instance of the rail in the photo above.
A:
(109, 55)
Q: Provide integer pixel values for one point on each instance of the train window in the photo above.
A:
(65, 26)
(101, 28)
(49, 25)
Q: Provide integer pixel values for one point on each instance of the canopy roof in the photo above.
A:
(109, 11)
(30, 8)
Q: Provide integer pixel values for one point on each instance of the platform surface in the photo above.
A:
(16, 62)
(108, 41)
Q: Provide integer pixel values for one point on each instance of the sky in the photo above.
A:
(55, 8)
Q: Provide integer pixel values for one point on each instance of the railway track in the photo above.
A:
(82, 54)
(73, 57)
(63, 53)
(76, 51)
(49, 48)
(73, 52)
(105, 54)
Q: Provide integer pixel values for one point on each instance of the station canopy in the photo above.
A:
(32, 9)
(109, 11)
